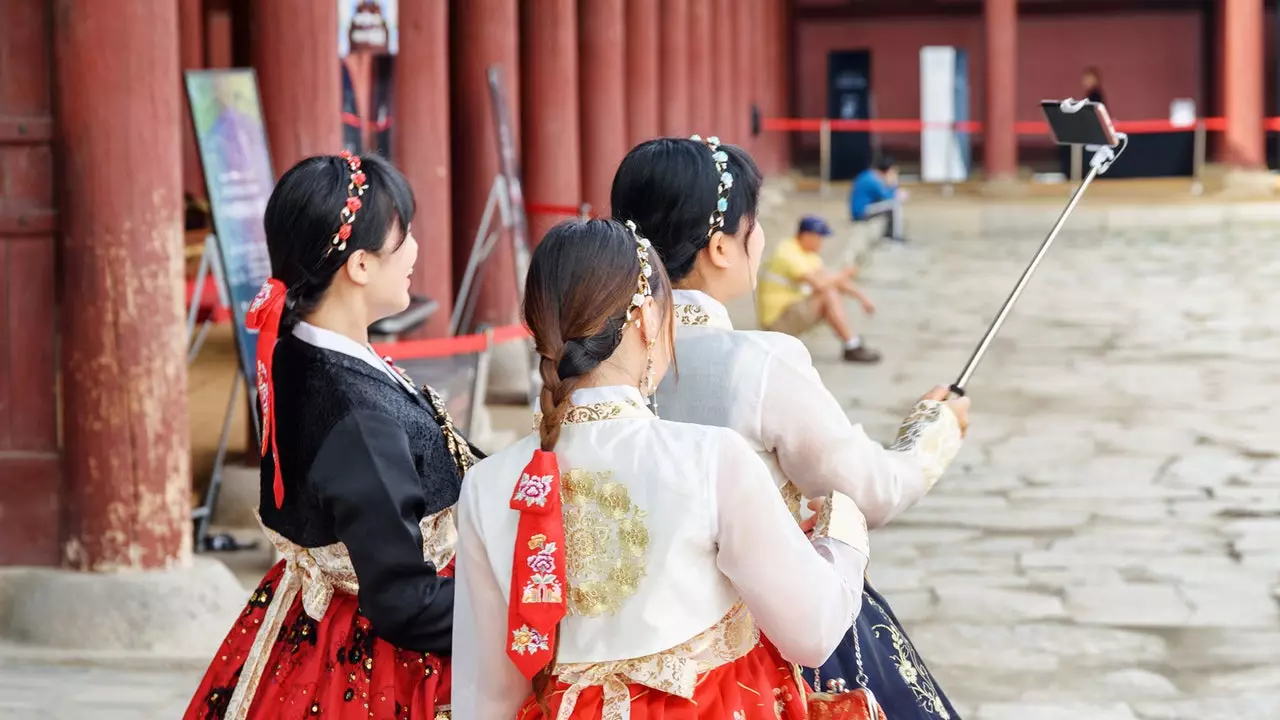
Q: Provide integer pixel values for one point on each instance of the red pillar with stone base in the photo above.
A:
(420, 143)
(1244, 142)
(295, 53)
(127, 461)
(605, 132)
(644, 105)
(1000, 154)
(549, 76)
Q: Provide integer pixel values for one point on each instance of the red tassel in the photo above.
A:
(264, 317)
(539, 583)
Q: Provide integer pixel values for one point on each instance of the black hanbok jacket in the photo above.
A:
(364, 459)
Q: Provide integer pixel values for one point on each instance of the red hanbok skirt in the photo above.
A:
(333, 668)
(757, 686)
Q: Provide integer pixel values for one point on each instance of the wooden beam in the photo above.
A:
(961, 8)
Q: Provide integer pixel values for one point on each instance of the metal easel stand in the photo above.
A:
(487, 236)
(203, 514)
(1103, 158)
(210, 267)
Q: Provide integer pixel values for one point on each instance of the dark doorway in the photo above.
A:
(849, 98)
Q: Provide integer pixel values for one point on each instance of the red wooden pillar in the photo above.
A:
(772, 84)
(191, 19)
(1244, 141)
(644, 105)
(124, 372)
(295, 52)
(999, 140)
(743, 74)
(218, 34)
(723, 89)
(549, 76)
(703, 45)
(420, 143)
(674, 63)
(485, 32)
(605, 132)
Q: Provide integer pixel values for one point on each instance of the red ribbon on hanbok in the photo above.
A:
(538, 580)
(264, 317)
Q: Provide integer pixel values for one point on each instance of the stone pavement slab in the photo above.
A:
(1123, 457)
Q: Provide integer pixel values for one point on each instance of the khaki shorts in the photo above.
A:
(799, 317)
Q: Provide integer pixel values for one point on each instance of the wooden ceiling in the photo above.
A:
(835, 9)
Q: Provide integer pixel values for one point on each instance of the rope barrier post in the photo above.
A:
(824, 160)
(1197, 159)
(953, 159)
(480, 387)
(1077, 163)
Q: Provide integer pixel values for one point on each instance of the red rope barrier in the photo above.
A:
(447, 347)
(357, 122)
(549, 209)
(1030, 127)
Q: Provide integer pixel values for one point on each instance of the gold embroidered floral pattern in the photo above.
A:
(909, 666)
(792, 496)
(606, 542)
(458, 447)
(692, 315)
(578, 414)
(931, 432)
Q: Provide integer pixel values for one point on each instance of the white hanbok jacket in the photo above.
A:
(672, 532)
(763, 386)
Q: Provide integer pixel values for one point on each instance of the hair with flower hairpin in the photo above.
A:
(724, 178)
(643, 288)
(355, 191)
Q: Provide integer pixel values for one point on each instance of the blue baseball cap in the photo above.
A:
(814, 224)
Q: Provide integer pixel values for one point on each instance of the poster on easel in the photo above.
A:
(368, 40)
(227, 116)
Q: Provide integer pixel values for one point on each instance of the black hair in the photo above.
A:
(668, 188)
(884, 163)
(303, 215)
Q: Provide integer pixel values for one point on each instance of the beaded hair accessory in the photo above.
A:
(721, 159)
(355, 190)
(643, 289)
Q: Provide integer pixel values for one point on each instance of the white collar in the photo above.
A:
(607, 394)
(337, 342)
(696, 308)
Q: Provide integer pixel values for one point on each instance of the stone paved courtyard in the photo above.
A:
(1107, 546)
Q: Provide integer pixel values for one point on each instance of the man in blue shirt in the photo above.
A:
(875, 194)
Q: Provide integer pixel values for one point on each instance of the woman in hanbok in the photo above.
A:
(697, 201)
(616, 565)
(360, 471)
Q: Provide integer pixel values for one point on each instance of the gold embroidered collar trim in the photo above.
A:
(696, 309)
(595, 412)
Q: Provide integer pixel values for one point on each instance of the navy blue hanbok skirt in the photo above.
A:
(894, 672)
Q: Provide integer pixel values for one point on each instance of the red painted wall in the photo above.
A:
(1146, 60)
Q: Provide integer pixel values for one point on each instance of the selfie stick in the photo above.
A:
(1102, 160)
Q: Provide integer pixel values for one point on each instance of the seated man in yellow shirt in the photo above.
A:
(796, 291)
